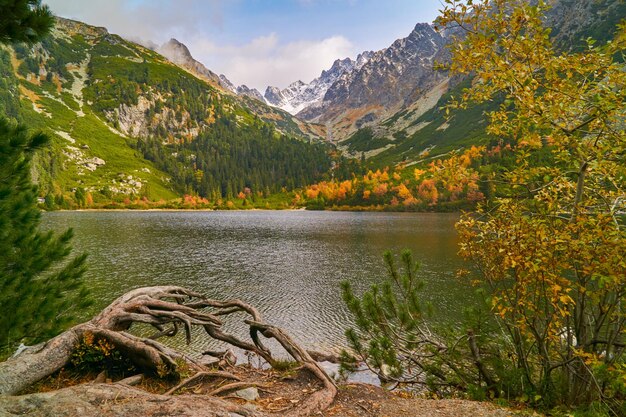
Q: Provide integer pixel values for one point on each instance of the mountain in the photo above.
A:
(225, 82)
(126, 122)
(299, 95)
(389, 110)
(573, 21)
(178, 53)
(244, 90)
(389, 79)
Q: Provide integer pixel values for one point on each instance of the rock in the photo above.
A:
(179, 54)
(208, 361)
(96, 400)
(248, 394)
(298, 95)
(230, 358)
(244, 90)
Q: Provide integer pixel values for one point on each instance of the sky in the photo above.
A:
(258, 42)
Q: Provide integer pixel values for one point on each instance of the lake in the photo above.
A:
(288, 264)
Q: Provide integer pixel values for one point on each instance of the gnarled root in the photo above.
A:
(167, 309)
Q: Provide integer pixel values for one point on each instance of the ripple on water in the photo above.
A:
(289, 264)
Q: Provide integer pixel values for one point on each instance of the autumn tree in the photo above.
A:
(548, 250)
(552, 251)
(38, 291)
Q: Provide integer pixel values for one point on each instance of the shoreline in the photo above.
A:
(356, 210)
(166, 209)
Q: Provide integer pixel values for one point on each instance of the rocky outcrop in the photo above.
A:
(179, 54)
(244, 90)
(391, 78)
(227, 84)
(134, 120)
(82, 161)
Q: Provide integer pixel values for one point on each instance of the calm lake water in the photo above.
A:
(289, 264)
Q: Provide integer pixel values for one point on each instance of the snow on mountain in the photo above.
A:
(227, 84)
(390, 79)
(299, 95)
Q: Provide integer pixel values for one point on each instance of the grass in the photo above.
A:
(118, 72)
(363, 140)
(463, 129)
(89, 131)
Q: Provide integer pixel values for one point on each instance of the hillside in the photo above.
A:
(179, 54)
(389, 109)
(127, 122)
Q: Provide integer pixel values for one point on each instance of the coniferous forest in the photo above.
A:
(228, 159)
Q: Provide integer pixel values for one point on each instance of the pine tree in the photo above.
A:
(39, 288)
(24, 21)
(389, 335)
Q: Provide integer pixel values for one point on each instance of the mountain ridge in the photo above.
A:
(179, 54)
(299, 95)
(127, 123)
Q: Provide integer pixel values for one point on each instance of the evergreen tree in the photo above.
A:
(24, 21)
(38, 291)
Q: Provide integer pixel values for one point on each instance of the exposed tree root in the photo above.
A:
(234, 387)
(199, 377)
(167, 309)
(131, 380)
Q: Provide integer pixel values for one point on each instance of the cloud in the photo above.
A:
(266, 61)
(149, 20)
(258, 62)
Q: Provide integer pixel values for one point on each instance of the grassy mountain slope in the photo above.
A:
(124, 121)
(421, 131)
(85, 152)
(420, 128)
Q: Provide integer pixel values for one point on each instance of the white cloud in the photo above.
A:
(262, 61)
(265, 61)
(154, 20)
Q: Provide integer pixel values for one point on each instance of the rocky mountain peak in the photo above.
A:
(382, 81)
(296, 84)
(176, 52)
(275, 97)
(299, 95)
(362, 58)
(73, 26)
(422, 27)
(339, 67)
(244, 90)
(227, 84)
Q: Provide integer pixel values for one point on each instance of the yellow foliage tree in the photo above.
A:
(553, 253)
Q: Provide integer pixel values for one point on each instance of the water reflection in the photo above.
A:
(289, 264)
